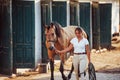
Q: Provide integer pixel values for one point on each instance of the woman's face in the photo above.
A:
(78, 34)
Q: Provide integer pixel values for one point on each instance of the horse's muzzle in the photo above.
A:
(51, 48)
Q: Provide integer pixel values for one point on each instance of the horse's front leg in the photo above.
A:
(52, 69)
(51, 58)
(62, 67)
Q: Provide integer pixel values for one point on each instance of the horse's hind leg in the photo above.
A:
(52, 69)
(62, 70)
(72, 68)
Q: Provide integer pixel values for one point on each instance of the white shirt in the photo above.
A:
(79, 47)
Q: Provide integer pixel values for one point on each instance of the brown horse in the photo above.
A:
(58, 38)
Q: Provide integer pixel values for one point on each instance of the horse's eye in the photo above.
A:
(52, 34)
(45, 34)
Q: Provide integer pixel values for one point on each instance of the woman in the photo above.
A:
(81, 52)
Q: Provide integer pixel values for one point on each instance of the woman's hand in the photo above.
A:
(58, 51)
(64, 50)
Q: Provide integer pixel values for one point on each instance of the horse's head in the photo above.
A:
(52, 32)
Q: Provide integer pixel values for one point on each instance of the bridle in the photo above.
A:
(51, 41)
(54, 41)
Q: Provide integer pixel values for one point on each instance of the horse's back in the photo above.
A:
(70, 31)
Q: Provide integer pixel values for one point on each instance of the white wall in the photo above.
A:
(68, 13)
(38, 41)
(115, 17)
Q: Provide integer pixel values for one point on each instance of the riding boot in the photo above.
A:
(83, 77)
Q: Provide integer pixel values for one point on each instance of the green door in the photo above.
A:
(59, 13)
(23, 34)
(45, 20)
(105, 25)
(85, 17)
(73, 14)
(95, 25)
(5, 40)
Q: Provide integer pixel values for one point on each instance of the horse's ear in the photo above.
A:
(52, 25)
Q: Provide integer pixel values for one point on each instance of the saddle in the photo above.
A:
(91, 71)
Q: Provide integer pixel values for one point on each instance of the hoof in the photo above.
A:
(69, 76)
(52, 79)
(79, 75)
(65, 78)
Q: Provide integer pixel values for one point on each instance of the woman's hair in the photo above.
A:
(78, 29)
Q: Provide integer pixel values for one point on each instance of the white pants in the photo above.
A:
(81, 62)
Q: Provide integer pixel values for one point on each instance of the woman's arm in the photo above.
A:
(65, 50)
(88, 52)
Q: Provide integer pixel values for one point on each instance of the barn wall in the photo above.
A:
(38, 43)
(115, 17)
(5, 37)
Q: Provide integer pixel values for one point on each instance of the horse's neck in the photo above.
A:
(63, 39)
(59, 46)
(60, 39)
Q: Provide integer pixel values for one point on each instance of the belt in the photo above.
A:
(80, 53)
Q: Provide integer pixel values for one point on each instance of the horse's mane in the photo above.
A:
(57, 28)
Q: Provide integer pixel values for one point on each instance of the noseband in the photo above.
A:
(51, 47)
(51, 41)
